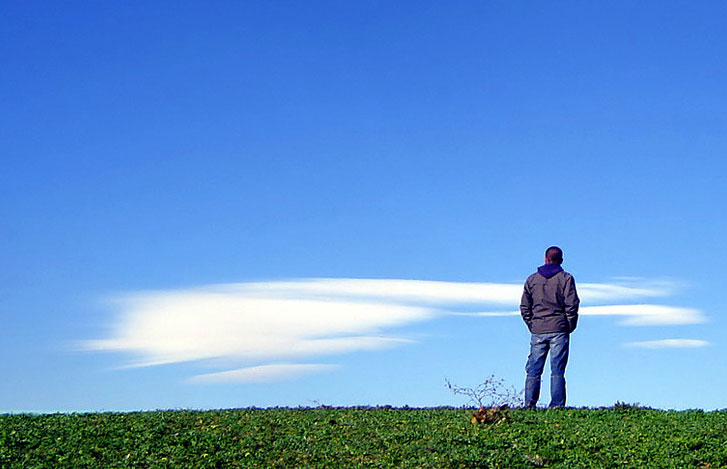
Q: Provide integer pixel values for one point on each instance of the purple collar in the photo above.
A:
(549, 270)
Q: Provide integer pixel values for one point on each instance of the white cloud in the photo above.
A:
(492, 314)
(431, 292)
(670, 343)
(648, 315)
(636, 315)
(629, 289)
(262, 373)
(170, 327)
(259, 323)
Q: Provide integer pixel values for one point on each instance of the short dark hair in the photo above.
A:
(554, 254)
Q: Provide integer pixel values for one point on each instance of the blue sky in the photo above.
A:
(300, 203)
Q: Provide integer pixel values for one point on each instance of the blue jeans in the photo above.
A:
(557, 343)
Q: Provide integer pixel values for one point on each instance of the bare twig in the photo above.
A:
(492, 392)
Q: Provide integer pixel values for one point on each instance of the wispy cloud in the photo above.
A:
(432, 292)
(635, 315)
(648, 315)
(628, 289)
(669, 343)
(260, 323)
(262, 373)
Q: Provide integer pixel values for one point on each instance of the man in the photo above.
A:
(549, 307)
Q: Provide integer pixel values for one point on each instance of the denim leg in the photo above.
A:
(558, 360)
(534, 368)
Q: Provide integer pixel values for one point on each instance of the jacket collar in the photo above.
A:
(549, 270)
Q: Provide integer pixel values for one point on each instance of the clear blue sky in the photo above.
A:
(152, 151)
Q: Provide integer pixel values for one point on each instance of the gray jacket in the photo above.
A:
(550, 304)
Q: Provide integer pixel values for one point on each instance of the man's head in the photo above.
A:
(554, 255)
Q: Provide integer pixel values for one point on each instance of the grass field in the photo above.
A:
(622, 436)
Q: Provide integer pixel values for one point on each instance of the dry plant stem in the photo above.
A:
(491, 393)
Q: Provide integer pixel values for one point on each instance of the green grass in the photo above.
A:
(366, 437)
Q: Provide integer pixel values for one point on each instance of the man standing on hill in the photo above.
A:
(549, 307)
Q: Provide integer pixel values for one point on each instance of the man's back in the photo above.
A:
(550, 304)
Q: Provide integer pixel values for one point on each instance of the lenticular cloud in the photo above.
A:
(269, 326)
(169, 327)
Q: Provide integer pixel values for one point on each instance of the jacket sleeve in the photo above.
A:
(526, 306)
(571, 303)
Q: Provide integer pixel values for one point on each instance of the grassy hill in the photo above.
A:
(622, 436)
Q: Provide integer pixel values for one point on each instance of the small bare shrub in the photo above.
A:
(492, 398)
